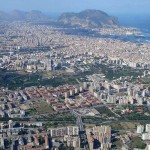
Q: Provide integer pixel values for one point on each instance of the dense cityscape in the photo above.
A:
(74, 88)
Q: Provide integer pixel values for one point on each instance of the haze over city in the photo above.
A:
(59, 6)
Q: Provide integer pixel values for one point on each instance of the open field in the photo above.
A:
(144, 80)
(124, 125)
(127, 125)
(40, 108)
(60, 120)
(136, 142)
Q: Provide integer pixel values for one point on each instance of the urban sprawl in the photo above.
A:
(66, 91)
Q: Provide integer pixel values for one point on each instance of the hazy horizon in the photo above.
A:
(129, 13)
(59, 6)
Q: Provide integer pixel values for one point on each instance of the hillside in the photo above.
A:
(88, 18)
(18, 15)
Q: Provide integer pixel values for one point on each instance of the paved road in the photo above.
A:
(79, 120)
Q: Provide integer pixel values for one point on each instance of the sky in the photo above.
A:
(59, 6)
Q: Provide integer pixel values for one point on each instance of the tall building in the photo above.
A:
(85, 85)
(2, 145)
(102, 134)
(72, 92)
(147, 128)
(36, 140)
(145, 136)
(60, 132)
(10, 123)
(140, 129)
(49, 65)
(46, 142)
(73, 130)
(72, 141)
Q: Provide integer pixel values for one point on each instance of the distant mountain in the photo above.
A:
(4, 16)
(88, 18)
(18, 15)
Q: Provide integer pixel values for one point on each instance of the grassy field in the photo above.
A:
(144, 80)
(60, 120)
(92, 120)
(136, 142)
(127, 125)
(105, 114)
(45, 113)
(117, 144)
(63, 116)
(14, 79)
(124, 125)
(105, 110)
(40, 108)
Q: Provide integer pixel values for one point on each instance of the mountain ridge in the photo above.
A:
(88, 18)
(18, 15)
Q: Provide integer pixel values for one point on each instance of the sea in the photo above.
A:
(139, 21)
